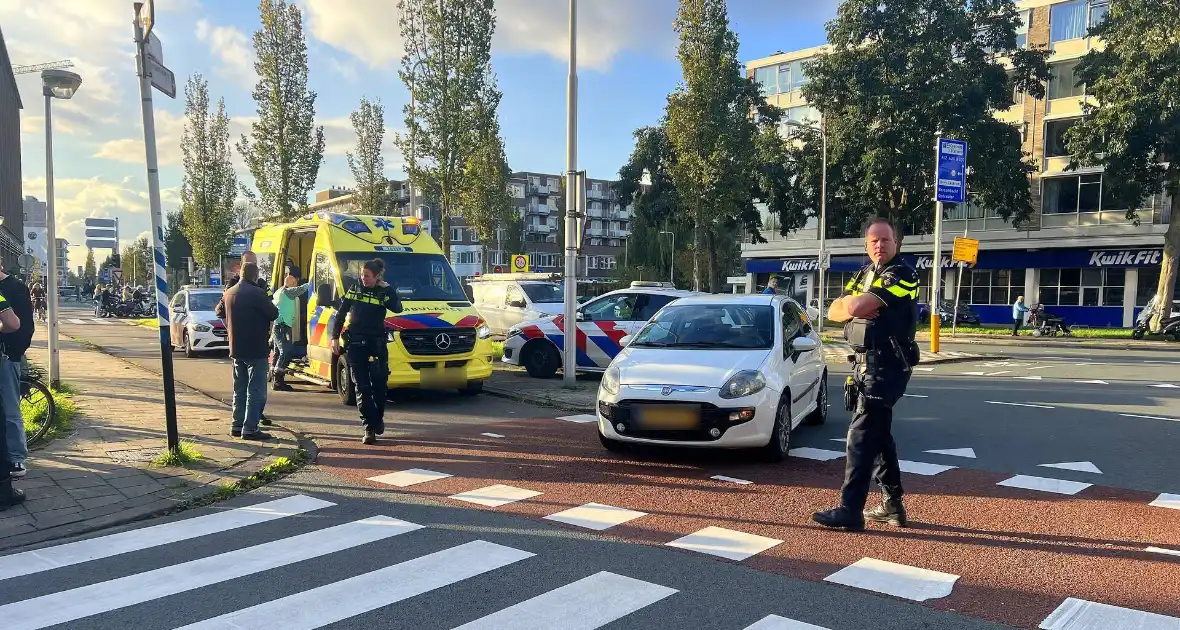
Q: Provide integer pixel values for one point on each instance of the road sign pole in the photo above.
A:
(570, 339)
(936, 266)
(149, 142)
(51, 249)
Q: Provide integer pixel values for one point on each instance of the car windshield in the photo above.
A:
(544, 293)
(741, 326)
(204, 301)
(418, 277)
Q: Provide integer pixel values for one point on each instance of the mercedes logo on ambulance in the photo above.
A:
(442, 341)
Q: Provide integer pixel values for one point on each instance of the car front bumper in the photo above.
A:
(208, 341)
(716, 417)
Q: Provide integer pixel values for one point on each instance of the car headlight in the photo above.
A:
(512, 332)
(389, 338)
(202, 327)
(484, 332)
(743, 384)
(610, 380)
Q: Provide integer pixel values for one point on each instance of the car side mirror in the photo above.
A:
(323, 296)
(813, 313)
(803, 344)
(580, 316)
(626, 340)
(517, 304)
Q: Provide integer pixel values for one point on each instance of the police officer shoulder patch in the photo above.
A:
(900, 281)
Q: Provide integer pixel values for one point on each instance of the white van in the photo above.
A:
(507, 299)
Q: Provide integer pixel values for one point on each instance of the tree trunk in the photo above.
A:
(443, 223)
(711, 245)
(1164, 293)
(696, 256)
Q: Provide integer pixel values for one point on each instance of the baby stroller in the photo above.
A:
(1046, 324)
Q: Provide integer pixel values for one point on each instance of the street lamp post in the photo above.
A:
(823, 212)
(55, 84)
(569, 355)
(672, 273)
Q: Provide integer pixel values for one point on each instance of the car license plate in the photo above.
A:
(668, 417)
(443, 379)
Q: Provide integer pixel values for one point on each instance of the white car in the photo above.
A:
(195, 327)
(602, 323)
(717, 371)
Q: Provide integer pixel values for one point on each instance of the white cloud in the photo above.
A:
(231, 46)
(169, 130)
(77, 199)
(368, 29)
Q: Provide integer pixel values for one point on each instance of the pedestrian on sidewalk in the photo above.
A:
(15, 343)
(365, 305)
(249, 256)
(880, 305)
(9, 496)
(285, 299)
(1018, 310)
(248, 312)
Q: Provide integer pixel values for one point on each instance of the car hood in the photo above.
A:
(205, 317)
(699, 368)
(548, 308)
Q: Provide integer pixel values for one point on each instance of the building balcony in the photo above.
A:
(540, 191)
(540, 209)
(597, 213)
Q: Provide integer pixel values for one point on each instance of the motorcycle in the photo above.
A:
(1169, 326)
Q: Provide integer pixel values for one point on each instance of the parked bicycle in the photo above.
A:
(37, 408)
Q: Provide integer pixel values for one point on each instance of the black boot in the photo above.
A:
(890, 511)
(9, 496)
(839, 518)
(279, 383)
(369, 438)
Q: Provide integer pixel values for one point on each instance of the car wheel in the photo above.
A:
(541, 360)
(613, 446)
(820, 415)
(345, 388)
(780, 438)
(474, 388)
(188, 346)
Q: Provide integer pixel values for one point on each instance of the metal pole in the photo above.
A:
(672, 273)
(958, 286)
(51, 280)
(823, 218)
(149, 143)
(936, 272)
(570, 343)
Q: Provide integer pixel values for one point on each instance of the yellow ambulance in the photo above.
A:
(438, 341)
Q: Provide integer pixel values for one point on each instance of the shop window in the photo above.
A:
(1063, 82)
(1055, 145)
(991, 286)
(1082, 287)
(1149, 280)
(835, 281)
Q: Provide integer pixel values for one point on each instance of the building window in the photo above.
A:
(1149, 281)
(456, 235)
(1055, 137)
(1075, 193)
(1022, 29)
(1098, 10)
(1082, 287)
(1067, 20)
(1064, 83)
(1017, 95)
(768, 79)
(991, 286)
(781, 78)
(466, 258)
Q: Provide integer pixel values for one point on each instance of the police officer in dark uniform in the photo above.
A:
(881, 310)
(365, 304)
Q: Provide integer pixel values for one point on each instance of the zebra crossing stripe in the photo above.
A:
(102, 597)
(99, 321)
(29, 562)
(774, 622)
(75, 321)
(589, 603)
(357, 595)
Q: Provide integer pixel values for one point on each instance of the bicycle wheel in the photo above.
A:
(37, 408)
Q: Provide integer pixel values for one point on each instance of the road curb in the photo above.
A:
(540, 401)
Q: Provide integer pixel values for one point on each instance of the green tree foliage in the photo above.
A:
(136, 261)
(1133, 128)
(89, 269)
(897, 76)
(368, 164)
(484, 199)
(285, 149)
(447, 68)
(209, 187)
(176, 245)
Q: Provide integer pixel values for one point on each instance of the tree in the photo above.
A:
(209, 186)
(447, 67)
(368, 164)
(892, 82)
(1133, 131)
(136, 262)
(484, 199)
(176, 245)
(246, 211)
(285, 150)
(89, 270)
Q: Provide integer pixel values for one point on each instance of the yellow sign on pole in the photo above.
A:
(520, 263)
(966, 250)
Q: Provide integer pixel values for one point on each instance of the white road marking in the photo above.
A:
(1167, 362)
(774, 622)
(102, 597)
(1044, 484)
(922, 468)
(495, 496)
(1078, 466)
(1168, 552)
(595, 516)
(583, 418)
(1166, 386)
(1035, 377)
(75, 321)
(898, 580)
(915, 396)
(360, 594)
(1079, 614)
(99, 321)
(806, 452)
(589, 603)
(1166, 500)
(492, 435)
(1041, 367)
(954, 452)
(727, 543)
(406, 478)
(1131, 415)
(1093, 382)
(924, 369)
(998, 373)
(971, 373)
(1012, 404)
(29, 562)
(741, 482)
(840, 440)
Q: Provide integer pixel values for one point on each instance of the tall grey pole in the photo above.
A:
(936, 267)
(51, 279)
(570, 343)
(149, 143)
(823, 219)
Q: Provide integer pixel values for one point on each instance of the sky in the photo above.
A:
(626, 68)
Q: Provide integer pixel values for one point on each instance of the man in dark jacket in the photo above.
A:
(14, 344)
(248, 312)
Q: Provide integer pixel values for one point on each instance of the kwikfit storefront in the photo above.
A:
(1091, 287)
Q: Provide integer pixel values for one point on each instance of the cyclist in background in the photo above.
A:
(38, 295)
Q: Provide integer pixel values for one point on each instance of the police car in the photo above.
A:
(195, 328)
(717, 371)
(602, 323)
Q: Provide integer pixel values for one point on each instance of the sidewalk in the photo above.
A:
(1041, 342)
(100, 473)
(514, 383)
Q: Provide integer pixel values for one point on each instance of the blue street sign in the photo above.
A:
(106, 275)
(239, 246)
(952, 171)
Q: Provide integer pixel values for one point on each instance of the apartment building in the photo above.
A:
(535, 198)
(11, 203)
(1078, 254)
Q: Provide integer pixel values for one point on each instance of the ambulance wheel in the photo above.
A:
(345, 388)
(540, 359)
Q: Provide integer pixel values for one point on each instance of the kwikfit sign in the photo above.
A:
(927, 262)
(803, 264)
(1125, 258)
